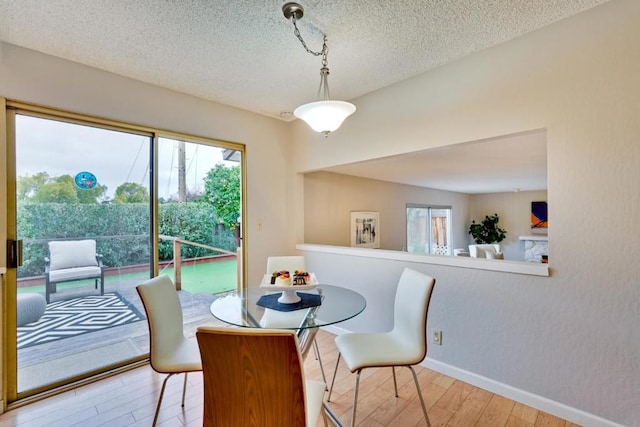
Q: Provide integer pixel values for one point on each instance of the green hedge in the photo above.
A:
(121, 231)
(195, 222)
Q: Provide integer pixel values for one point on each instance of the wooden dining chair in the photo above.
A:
(170, 351)
(258, 380)
(404, 345)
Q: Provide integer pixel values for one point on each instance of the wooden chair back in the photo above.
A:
(252, 377)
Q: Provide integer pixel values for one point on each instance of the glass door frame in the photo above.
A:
(8, 229)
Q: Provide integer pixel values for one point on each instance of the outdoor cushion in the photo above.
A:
(68, 274)
(29, 308)
(72, 254)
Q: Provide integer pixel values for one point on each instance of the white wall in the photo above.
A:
(573, 337)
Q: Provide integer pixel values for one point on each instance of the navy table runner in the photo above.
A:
(306, 301)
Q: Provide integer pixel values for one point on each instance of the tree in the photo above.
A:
(28, 186)
(61, 189)
(91, 195)
(41, 188)
(222, 192)
(130, 192)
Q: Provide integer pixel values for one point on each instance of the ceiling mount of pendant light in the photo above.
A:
(324, 115)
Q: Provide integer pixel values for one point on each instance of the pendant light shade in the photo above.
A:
(324, 116)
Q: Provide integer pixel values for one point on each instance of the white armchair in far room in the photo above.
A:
(491, 251)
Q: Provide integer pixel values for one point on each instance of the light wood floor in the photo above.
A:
(129, 399)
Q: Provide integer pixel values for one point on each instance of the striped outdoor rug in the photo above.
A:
(63, 319)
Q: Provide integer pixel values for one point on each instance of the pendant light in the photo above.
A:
(324, 115)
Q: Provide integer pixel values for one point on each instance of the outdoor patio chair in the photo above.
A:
(72, 260)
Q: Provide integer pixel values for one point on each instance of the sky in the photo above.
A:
(114, 157)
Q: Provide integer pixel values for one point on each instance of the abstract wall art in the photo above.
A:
(539, 219)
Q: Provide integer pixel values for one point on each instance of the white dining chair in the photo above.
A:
(404, 345)
(170, 351)
(288, 263)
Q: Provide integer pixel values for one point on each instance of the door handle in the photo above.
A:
(14, 253)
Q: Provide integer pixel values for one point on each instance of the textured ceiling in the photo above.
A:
(243, 53)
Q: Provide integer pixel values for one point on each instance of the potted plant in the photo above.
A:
(487, 231)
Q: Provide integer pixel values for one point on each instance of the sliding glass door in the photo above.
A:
(199, 205)
(429, 229)
(97, 207)
(84, 218)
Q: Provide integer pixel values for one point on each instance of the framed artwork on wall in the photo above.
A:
(539, 220)
(365, 229)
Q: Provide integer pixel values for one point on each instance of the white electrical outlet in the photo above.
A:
(436, 337)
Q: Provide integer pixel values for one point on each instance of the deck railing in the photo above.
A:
(177, 258)
(32, 280)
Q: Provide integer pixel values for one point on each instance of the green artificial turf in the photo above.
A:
(210, 278)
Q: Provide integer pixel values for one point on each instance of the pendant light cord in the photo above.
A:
(324, 50)
(323, 89)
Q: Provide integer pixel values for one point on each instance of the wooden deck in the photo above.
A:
(73, 357)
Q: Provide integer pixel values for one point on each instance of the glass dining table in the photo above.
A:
(263, 307)
(247, 309)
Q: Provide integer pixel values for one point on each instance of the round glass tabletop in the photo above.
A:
(336, 305)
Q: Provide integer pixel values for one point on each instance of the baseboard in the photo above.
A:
(535, 401)
(540, 403)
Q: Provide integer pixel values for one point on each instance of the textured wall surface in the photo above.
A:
(572, 337)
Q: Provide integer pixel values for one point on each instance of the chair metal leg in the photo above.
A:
(164, 384)
(324, 415)
(334, 378)
(184, 388)
(424, 408)
(355, 399)
(395, 383)
(328, 413)
(317, 351)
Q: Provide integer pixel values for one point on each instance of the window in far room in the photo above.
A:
(429, 229)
